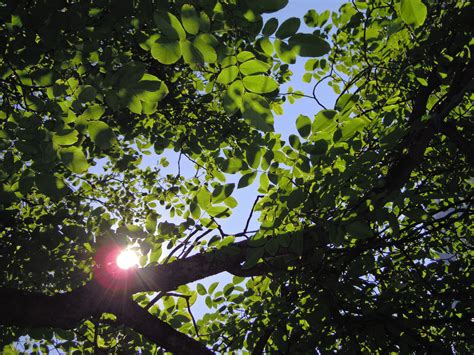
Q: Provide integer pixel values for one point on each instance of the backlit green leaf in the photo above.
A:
(228, 75)
(413, 12)
(166, 52)
(190, 19)
(260, 84)
(65, 137)
(254, 66)
(201, 289)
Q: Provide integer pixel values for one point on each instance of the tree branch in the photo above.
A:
(132, 315)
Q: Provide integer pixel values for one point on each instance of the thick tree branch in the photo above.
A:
(135, 317)
(464, 146)
(414, 145)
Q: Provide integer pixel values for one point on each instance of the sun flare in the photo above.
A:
(127, 259)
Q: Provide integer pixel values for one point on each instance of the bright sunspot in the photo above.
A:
(127, 259)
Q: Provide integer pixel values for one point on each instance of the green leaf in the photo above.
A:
(219, 211)
(204, 22)
(87, 93)
(309, 45)
(208, 301)
(297, 243)
(253, 155)
(266, 46)
(296, 198)
(222, 192)
(256, 111)
(135, 105)
(231, 202)
(270, 5)
(93, 112)
(190, 19)
(324, 121)
(264, 183)
(316, 148)
(233, 96)
(205, 43)
(228, 75)
(101, 134)
(166, 52)
(303, 125)
(212, 287)
(413, 12)
(270, 27)
(169, 26)
(44, 77)
(285, 52)
(65, 137)
(244, 56)
(247, 179)
(52, 186)
(272, 246)
(288, 28)
(352, 126)
(151, 223)
(195, 210)
(232, 165)
(253, 256)
(260, 84)
(74, 159)
(359, 230)
(254, 66)
(191, 54)
(311, 18)
(201, 289)
(203, 198)
(151, 89)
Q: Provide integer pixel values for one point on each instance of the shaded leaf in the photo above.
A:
(74, 159)
(256, 111)
(169, 25)
(288, 28)
(303, 125)
(270, 27)
(308, 45)
(233, 96)
(101, 134)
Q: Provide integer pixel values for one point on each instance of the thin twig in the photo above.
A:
(251, 213)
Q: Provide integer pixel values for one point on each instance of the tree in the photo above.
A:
(364, 218)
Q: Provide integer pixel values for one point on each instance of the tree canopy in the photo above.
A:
(364, 225)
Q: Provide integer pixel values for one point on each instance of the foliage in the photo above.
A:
(364, 218)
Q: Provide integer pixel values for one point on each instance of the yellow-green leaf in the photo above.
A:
(260, 84)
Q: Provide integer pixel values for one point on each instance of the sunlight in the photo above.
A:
(127, 259)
